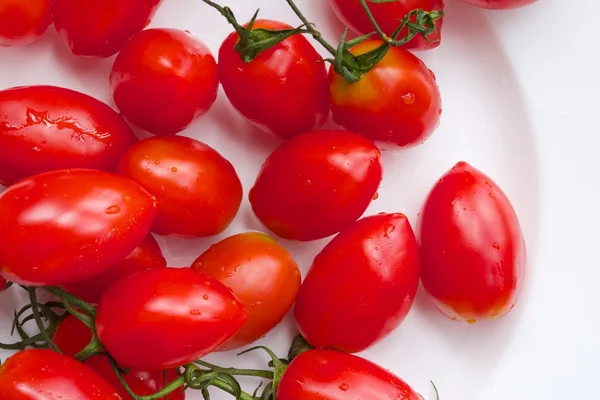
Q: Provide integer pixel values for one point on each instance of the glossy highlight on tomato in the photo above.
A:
(72, 336)
(262, 90)
(23, 21)
(261, 273)
(388, 16)
(316, 184)
(69, 225)
(361, 286)
(198, 190)
(398, 101)
(147, 255)
(101, 28)
(333, 375)
(188, 313)
(472, 248)
(500, 4)
(163, 79)
(44, 374)
(46, 128)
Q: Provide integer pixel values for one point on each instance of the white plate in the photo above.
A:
(520, 102)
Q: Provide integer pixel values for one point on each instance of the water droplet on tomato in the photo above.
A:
(432, 74)
(496, 246)
(344, 387)
(174, 169)
(157, 162)
(148, 171)
(471, 321)
(491, 195)
(114, 209)
(205, 297)
(188, 32)
(376, 196)
(440, 112)
(37, 148)
(308, 182)
(126, 199)
(408, 98)
(195, 312)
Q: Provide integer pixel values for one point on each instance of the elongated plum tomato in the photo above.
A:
(261, 273)
(316, 184)
(361, 286)
(332, 375)
(163, 79)
(472, 248)
(388, 16)
(72, 336)
(101, 28)
(23, 21)
(44, 374)
(164, 318)
(66, 226)
(500, 4)
(46, 128)
(198, 191)
(398, 101)
(146, 256)
(283, 90)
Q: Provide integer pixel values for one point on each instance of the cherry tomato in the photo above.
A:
(261, 273)
(146, 256)
(500, 4)
(101, 28)
(164, 318)
(72, 336)
(44, 374)
(23, 21)
(332, 375)
(67, 226)
(261, 90)
(388, 16)
(361, 286)
(46, 128)
(398, 101)
(163, 79)
(472, 248)
(198, 191)
(316, 184)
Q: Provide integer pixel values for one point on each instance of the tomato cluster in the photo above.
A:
(85, 198)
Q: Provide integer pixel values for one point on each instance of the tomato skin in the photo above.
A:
(69, 225)
(261, 273)
(473, 252)
(190, 314)
(398, 101)
(316, 184)
(44, 374)
(72, 336)
(163, 79)
(198, 190)
(333, 375)
(46, 128)
(388, 16)
(23, 21)
(261, 90)
(101, 28)
(361, 286)
(146, 256)
(500, 4)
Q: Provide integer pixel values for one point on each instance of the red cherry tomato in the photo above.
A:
(188, 313)
(44, 374)
(388, 16)
(163, 79)
(472, 248)
(67, 226)
(261, 273)
(23, 21)
(101, 28)
(46, 128)
(500, 4)
(146, 256)
(198, 191)
(316, 184)
(332, 375)
(398, 101)
(261, 90)
(72, 336)
(361, 286)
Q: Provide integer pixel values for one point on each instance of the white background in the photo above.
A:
(520, 102)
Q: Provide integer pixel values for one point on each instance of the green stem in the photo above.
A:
(228, 14)
(310, 27)
(259, 373)
(227, 388)
(38, 320)
(68, 298)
